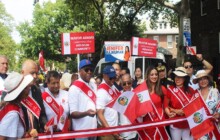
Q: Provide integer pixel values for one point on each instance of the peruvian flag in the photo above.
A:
(62, 120)
(200, 124)
(126, 104)
(41, 60)
(144, 103)
(133, 104)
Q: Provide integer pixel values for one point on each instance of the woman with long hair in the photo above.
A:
(12, 125)
(210, 97)
(156, 92)
(138, 77)
(178, 96)
(127, 54)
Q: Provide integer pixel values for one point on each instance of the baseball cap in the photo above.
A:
(84, 63)
(110, 71)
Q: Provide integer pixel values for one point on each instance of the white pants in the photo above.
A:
(178, 134)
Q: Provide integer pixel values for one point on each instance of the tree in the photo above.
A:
(51, 19)
(183, 11)
(7, 44)
(114, 19)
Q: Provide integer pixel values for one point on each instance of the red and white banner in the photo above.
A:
(41, 60)
(109, 130)
(126, 104)
(199, 123)
(78, 43)
(144, 105)
(144, 47)
(32, 106)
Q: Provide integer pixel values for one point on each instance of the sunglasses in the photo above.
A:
(126, 83)
(112, 78)
(189, 66)
(87, 69)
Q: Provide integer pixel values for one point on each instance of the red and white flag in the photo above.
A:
(200, 124)
(144, 102)
(126, 104)
(62, 120)
(133, 104)
(41, 60)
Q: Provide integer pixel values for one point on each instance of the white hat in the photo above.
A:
(180, 71)
(66, 79)
(200, 74)
(14, 84)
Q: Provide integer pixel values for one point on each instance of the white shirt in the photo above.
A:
(11, 125)
(103, 98)
(80, 102)
(123, 120)
(61, 99)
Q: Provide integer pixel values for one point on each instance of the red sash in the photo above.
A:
(60, 118)
(86, 90)
(112, 93)
(183, 100)
(215, 132)
(158, 133)
(32, 106)
(51, 103)
(12, 107)
(180, 95)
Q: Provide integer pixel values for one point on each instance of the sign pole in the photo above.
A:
(143, 71)
(78, 60)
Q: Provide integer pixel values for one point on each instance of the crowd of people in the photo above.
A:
(79, 101)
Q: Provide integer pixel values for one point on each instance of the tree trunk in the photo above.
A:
(183, 12)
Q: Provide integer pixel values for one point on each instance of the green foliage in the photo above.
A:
(44, 33)
(110, 20)
(7, 45)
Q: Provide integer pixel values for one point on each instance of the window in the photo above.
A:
(218, 4)
(165, 25)
(203, 4)
(169, 41)
(176, 39)
(156, 38)
(161, 25)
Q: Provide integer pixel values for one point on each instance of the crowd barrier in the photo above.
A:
(106, 131)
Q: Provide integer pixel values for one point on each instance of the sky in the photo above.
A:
(22, 10)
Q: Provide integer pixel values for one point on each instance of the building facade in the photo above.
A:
(166, 36)
(205, 30)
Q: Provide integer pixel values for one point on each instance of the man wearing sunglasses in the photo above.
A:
(126, 83)
(189, 69)
(106, 93)
(82, 100)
